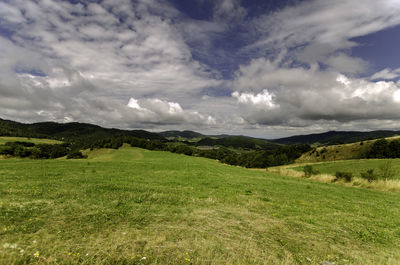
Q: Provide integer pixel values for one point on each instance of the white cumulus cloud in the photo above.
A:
(262, 100)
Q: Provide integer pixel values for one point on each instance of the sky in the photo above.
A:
(263, 68)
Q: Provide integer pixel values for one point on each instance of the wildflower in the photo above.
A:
(143, 258)
(187, 259)
(187, 253)
(87, 254)
(36, 254)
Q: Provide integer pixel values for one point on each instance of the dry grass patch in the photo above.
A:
(380, 184)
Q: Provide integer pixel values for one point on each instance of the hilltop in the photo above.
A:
(68, 131)
(335, 137)
(239, 142)
(355, 150)
(182, 135)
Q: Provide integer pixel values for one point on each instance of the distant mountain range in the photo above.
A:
(76, 131)
(327, 138)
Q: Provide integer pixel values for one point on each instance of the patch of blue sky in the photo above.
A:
(33, 72)
(200, 10)
(380, 49)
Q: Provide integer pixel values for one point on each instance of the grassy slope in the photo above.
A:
(120, 204)
(338, 152)
(4, 139)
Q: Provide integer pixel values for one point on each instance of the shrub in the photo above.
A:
(6, 150)
(21, 151)
(76, 155)
(387, 170)
(309, 171)
(346, 176)
(369, 175)
(24, 144)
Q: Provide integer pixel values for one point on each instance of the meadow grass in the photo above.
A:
(356, 166)
(5, 139)
(327, 171)
(119, 206)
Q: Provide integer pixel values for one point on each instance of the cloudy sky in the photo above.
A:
(265, 68)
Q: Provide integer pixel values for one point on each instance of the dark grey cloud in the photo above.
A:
(93, 63)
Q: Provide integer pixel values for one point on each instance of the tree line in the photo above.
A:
(250, 159)
(384, 149)
(39, 151)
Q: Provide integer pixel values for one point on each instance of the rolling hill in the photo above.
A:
(335, 137)
(68, 131)
(239, 142)
(355, 150)
(185, 135)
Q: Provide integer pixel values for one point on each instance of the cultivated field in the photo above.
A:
(132, 206)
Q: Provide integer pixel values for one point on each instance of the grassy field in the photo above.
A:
(356, 166)
(5, 139)
(132, 206)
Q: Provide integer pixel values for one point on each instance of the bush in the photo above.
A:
(309, 171)
(21, 151)
(369, 175)
(24, 144)
(45, 151)
(346, 176)
(387, 170)
(76, 155)
(6, 150)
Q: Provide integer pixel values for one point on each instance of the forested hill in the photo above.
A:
(182, 134)
(239, 142)
(73, 131)
(335, 137)
(88, 132)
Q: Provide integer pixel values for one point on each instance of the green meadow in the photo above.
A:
(133, 206)
(357, 166)
(5, 139)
